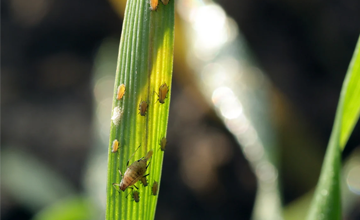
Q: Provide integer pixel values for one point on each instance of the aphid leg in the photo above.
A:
(129, 192)
(147, 166)
(121, 174)
(127, 195)
(136, 187)
(115, 184)
(157, 95)
(146, 175)
(127, 164)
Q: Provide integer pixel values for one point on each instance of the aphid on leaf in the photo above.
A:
(134, 172)
(163, 90)
(144, 181)
(120, 92)
(134, 194)
(163, 144)
(115, 146)
(165, 2)
(154, 5)
(143, 108)
(154, 188)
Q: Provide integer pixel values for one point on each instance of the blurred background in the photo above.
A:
(286, 61)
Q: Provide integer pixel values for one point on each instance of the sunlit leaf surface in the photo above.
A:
(144, 64)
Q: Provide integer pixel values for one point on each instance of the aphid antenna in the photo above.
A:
(114, 185)
(127, 164)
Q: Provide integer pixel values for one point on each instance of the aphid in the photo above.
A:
(144, 181)
(117, 113)
(115, 146)
(154, 188)
(135, 195)
(163, 144)
(143, 108)
(154, 4)
(165, 2)
(134, 172)
(120, 92)
(163, 90)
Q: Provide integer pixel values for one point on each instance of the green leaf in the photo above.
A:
(326, 203)
(72, 208)
(145, 62)
(29, 181)
(351, 97)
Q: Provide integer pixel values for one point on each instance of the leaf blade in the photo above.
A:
(145, 59)
(351, 98)
(326, 203)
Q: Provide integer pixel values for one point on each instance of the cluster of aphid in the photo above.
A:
(143, 106)
(163, 90)
(154, 4)
(136, 171)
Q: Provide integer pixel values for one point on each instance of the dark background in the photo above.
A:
(303, 46)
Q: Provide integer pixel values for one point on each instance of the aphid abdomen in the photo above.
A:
(127, 181)
(120, 92)
(148, 155)
(162, 97)
(115, 146)
(163, 144)
(165, 2)
(134, 172)
(144, 181)
(154, 188)
(163, 90)
(143, 108)
(133, 177)
(154, 4)
(136, 196)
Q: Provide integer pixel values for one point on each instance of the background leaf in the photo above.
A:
(72, 208)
